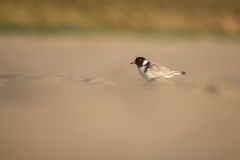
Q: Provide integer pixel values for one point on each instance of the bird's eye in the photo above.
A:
(139, 60)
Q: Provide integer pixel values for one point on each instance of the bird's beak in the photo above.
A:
(133, 62)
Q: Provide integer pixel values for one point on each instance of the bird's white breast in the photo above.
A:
(146, 75)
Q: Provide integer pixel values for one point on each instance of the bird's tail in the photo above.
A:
(179, 73)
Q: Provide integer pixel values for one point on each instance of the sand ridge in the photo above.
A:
(6, 80)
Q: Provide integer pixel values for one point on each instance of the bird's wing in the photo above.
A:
(158, 70)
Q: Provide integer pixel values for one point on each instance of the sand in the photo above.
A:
(78, 97)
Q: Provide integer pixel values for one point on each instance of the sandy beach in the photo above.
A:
(78, 98)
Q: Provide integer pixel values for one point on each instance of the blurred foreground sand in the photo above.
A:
(79, 98)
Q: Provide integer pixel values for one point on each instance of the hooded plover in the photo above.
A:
(149, 70)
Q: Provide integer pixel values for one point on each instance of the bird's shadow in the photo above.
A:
(157, 81)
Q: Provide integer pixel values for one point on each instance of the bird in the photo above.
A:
(149, 70)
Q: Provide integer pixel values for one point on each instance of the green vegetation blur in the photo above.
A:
(188, 16)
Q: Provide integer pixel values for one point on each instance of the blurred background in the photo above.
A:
(152, 16)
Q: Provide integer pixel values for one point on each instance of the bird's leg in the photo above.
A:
(150, 80)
